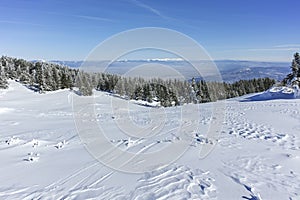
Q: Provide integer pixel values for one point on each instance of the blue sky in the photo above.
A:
(261, 30)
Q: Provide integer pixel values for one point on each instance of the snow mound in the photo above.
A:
(145, 103)
(282, 92)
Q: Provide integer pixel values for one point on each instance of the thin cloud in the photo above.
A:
(149, 8)
(288, 46)
(87, 17)
(19, 23)
(93, 18)
(276, 49)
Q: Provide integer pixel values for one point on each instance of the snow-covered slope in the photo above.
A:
(257, 152)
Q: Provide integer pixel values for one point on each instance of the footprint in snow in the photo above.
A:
(60, 144)
(32, 157)
(12, 140)
(35, 143)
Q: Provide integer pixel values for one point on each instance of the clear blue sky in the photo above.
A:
(228, 29)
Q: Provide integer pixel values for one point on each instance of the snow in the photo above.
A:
(256, 155)
(146, 103)
(5, 110)
(281, 92)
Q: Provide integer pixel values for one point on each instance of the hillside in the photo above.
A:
(167, 91)
(255, 155)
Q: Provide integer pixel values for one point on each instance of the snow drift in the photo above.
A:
(282, 92)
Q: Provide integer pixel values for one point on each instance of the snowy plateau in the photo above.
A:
(255, 156)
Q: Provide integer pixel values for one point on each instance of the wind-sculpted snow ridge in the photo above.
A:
(175, 183)
(245, 171)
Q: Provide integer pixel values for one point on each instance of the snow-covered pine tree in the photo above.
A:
(3, 78)
(25, 77)
(120, 87)
(49, 81)
(295, 68)
(83, 84)
(66, 78)
(293, 78)
(40, 77)
(56, 83)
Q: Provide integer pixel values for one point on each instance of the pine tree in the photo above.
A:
(293, 78)
(296, 62)
(295, 68)
(297, 58)
(56, 78)
(120, 87)
(40, 77)
(66, 80)
(25, 77)
(3, 78)
(83, 84)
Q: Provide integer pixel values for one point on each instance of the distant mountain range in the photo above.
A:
(230, 70)
(237, 70)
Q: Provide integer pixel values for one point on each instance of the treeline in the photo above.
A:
(41, 77)
(38, 76)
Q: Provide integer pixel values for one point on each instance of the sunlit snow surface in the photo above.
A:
(257, 154)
